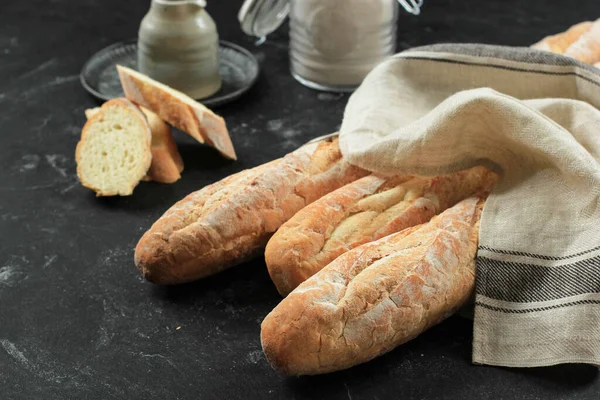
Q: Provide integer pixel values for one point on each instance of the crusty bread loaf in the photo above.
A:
(360, 212)
(177, 109)
(166, 165)
(230, 221)
(376, 296)
(581, 42)
(587, 46)
(114, 154)
(560, 42)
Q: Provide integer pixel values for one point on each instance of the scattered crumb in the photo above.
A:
(329, 96)
(254, 356)
(178, 328)
(274, 125)
(30, 161)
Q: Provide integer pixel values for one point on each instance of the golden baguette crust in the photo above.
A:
(376, 296)
(177, 109)
(360, 212)
(166, 165)
(560, 42)
(587, 46)
(232, 220)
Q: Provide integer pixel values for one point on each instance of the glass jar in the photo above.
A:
(178, 45)
(334, 44)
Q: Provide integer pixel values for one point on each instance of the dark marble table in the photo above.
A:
(76, 318)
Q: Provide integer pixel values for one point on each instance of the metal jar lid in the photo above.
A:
(262, 17)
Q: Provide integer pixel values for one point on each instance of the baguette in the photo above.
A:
(231, 221)
(166, 165)
(560, 42)
(376, 296)
(177, 109)
(587, 46)
(360, 212)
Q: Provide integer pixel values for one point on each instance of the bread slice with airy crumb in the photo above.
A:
(167, 165)
(114, 154)
(177, 109)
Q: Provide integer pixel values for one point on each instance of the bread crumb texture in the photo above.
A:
(114, 152)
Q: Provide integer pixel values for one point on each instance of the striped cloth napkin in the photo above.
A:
(533, 116)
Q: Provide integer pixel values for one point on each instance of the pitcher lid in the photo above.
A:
(261, 17)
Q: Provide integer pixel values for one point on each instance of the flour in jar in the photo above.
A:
(337, 42)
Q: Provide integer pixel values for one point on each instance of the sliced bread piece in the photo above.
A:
(167, 165)
(177, 109)
(114, 154)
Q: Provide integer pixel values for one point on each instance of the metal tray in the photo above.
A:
(238, 68)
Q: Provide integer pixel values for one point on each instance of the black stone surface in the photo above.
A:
(78, 321)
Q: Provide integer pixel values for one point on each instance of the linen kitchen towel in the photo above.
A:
(532, 116)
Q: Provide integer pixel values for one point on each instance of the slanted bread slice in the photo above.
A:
(167, 165)
(177, 109)
(113, 154)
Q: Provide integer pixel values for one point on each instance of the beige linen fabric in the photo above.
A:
(532, 116)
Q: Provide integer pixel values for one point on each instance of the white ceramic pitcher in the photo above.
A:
(178, 45)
